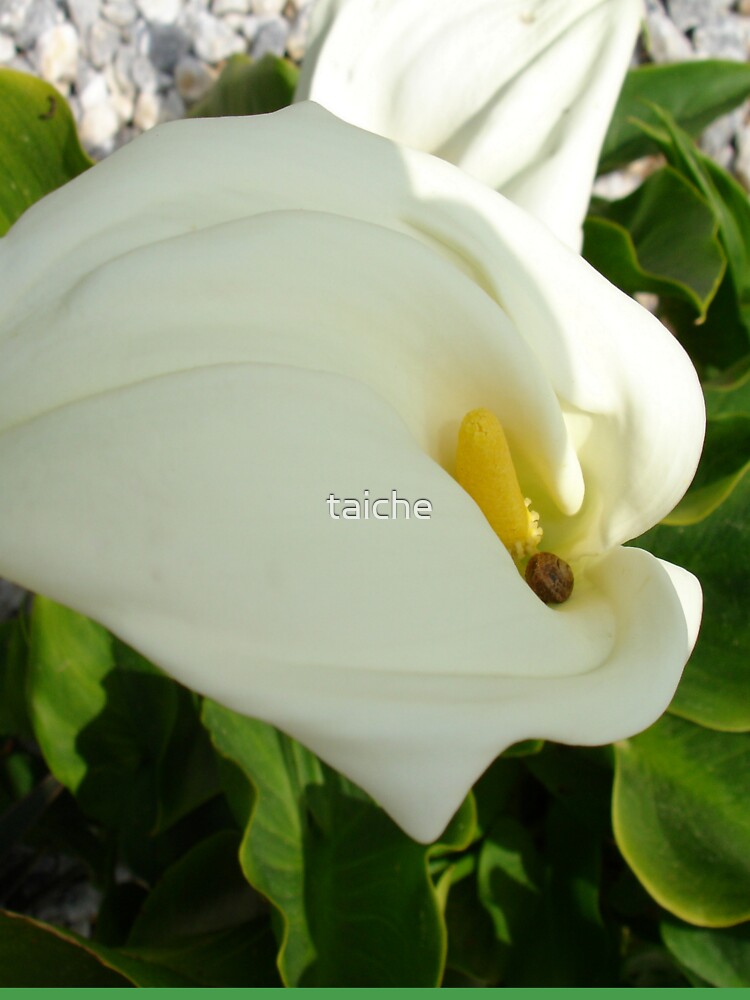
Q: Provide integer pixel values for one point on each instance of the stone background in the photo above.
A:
(126, 65)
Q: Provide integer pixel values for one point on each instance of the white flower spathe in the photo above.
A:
(228, 320)
(518, 93)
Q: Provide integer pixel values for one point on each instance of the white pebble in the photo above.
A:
(120, 12)
(83, 13)
(13, 13)
(160, 11)
(221, 7)
(102, 43)
(7, 48)
(116, 84)
(57, 53)
(98, 126)
(688, 14)
(665, 42)
(235, 21)
(172, 107)
(123, 107)
(168, 43)
(271, 37)
(146, 111)
(250, 25)
(40, 17)
(145, 75)
(723, 39)
(214, 41)
(93, 92)
(21, 65)
(193, 79)
(297, 40)
(268, 6)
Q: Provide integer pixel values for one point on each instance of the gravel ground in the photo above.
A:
(126, 65)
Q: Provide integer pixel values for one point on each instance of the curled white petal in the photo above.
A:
(517, 93)
(407, 654)
(165, 457)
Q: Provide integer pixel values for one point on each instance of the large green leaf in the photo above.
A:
(580, 778)
(249, 87)
(39, 148)
(203, 892)
(723, 465)
(721, 957)
(473, 949)
(106, 720)
(37, 954)
(725, 336)
(662, 238)
(509, 880)
(693, 92)
(204, 920)
(34, 953)
(715, 689)
(729, 393)
(566, 943)
(241, 956)
(355, 901)
(681, 819)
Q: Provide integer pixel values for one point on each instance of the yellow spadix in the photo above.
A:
(484, 468)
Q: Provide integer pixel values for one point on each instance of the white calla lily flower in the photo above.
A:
(518, 93)
(226, 322)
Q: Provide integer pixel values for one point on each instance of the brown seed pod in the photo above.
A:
(549, 577)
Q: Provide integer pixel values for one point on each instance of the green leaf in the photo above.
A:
(580, 778)
(526, 748)
(33, 953)
(694, 93)
(204, 892)
(353, 894)
(730, 392)
(724, 462)
(509, 880)
(104, 719)
(567, 943)
(472, 947)
(39, 148)
(249, 87)
(14, 720)
(723, 339)
(26, 812)
(497, 790)
(203, 920)
(662, 238)
(187, 773)
(681, 819)
(139, 972)
(730, 204)
(241, 956)
(721, 957)
(37, 954)
(715, 689)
